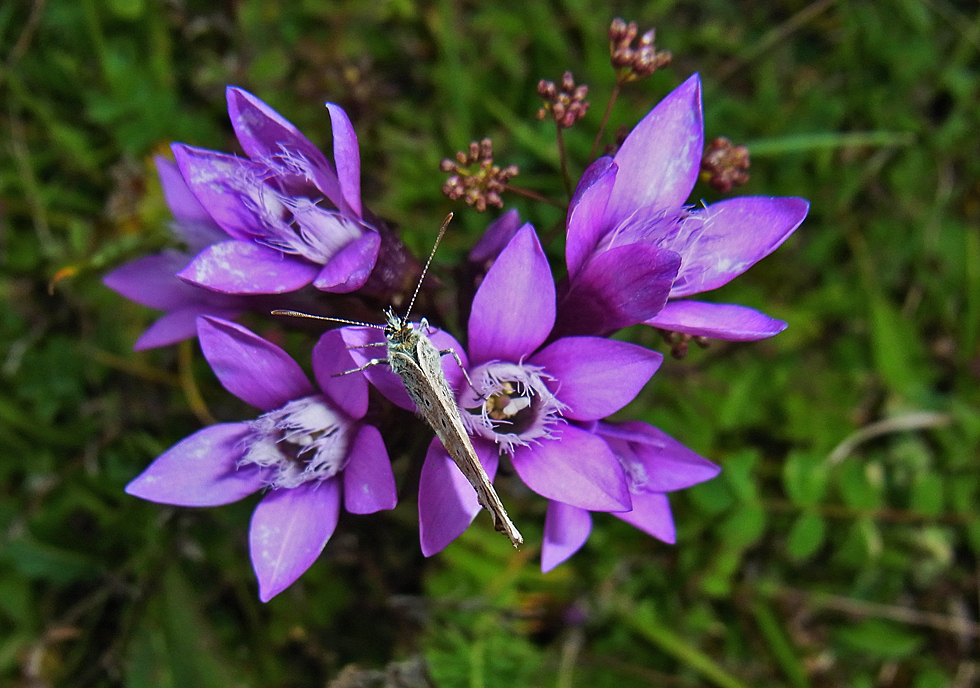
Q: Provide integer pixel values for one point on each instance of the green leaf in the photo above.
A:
(882, 639)
(805, 536)
(805, 478)
(927, 494)
(861, 484)
(744, 527)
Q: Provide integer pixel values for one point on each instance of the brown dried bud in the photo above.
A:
(566, 105)
(632, 64)
(475, 178)
(680, 343)
(724, 165)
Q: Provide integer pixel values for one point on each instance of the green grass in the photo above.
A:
(839, 545)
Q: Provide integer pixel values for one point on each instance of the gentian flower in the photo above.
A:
(633, 243)
(308, 449)
(291, 216)
(654, 463)
(152, 281)
(525, 397)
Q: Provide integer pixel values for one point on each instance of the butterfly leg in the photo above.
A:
(465, 374)
(372, 362)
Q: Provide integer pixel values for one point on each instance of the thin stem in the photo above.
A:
(563, 158)
(605, 119)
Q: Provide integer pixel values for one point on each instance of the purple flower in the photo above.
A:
(525, 398)
(654, 464)
(633, 243)
(291, 216)
(153, 281)
(306, 449)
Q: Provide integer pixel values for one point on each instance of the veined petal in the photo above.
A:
(181, 200)
(369, 484)
(726, 321)
(289, 529)
(207, 174)
(659, 160)
(620, 287)
(577, 468)
(330, 360)
(178, 325)
(347, 156)
(654, 460)
(264, 133)
(595, 377)
(350, 267)
(254, 370)
(447, 501)
(651, 514)
(514, 308)
(201, 470)
(585, 215)
(725, 239)
(244, 267)
(566, 528)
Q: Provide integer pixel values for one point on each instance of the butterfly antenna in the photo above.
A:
(442, 230)
(298, 314)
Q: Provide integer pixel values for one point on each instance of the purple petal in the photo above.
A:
(208, 174)
(152, 281)
(566, 528)
(201, 470)
(655, 461)
(244, 267)
(596, 377)
(514, 308)
(577, 468)
(347, 156)
(447, 501)
(181, 200)
(254, 370)
(585, 215)
(727, 321)
(725, 239)
(496, 237)
(660, 159)
(350, 267)
(264, 133)
(651, 514)
(330, 359)
(620, 287)
(289, 529)
(178, 325)
(369, 484)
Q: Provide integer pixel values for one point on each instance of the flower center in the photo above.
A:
(514, 406)
(304, 440)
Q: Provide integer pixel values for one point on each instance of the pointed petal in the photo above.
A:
(725, 239)
(655, 461)
(369, 484)
(577, 468)
(514, 308)
(726, 321)
(347, 156)
(330, 359)
(595, 377)
(585, 215)
(651, 514)
(350, 267)
(290, 527)
(496, 237)
(178, 325)
(180, 199)
(254, 370)
(620, 287)
(152, 281)
(201, 470)
(447, 501)
(208, 174)
(244, 267)
(264, 133)
(566, 528)
(660, 159)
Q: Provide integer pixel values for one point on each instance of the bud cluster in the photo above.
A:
(566, 104)
(480, 187)
(631, 63)
(724, 165)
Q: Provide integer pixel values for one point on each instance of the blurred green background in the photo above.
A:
(838, 547)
